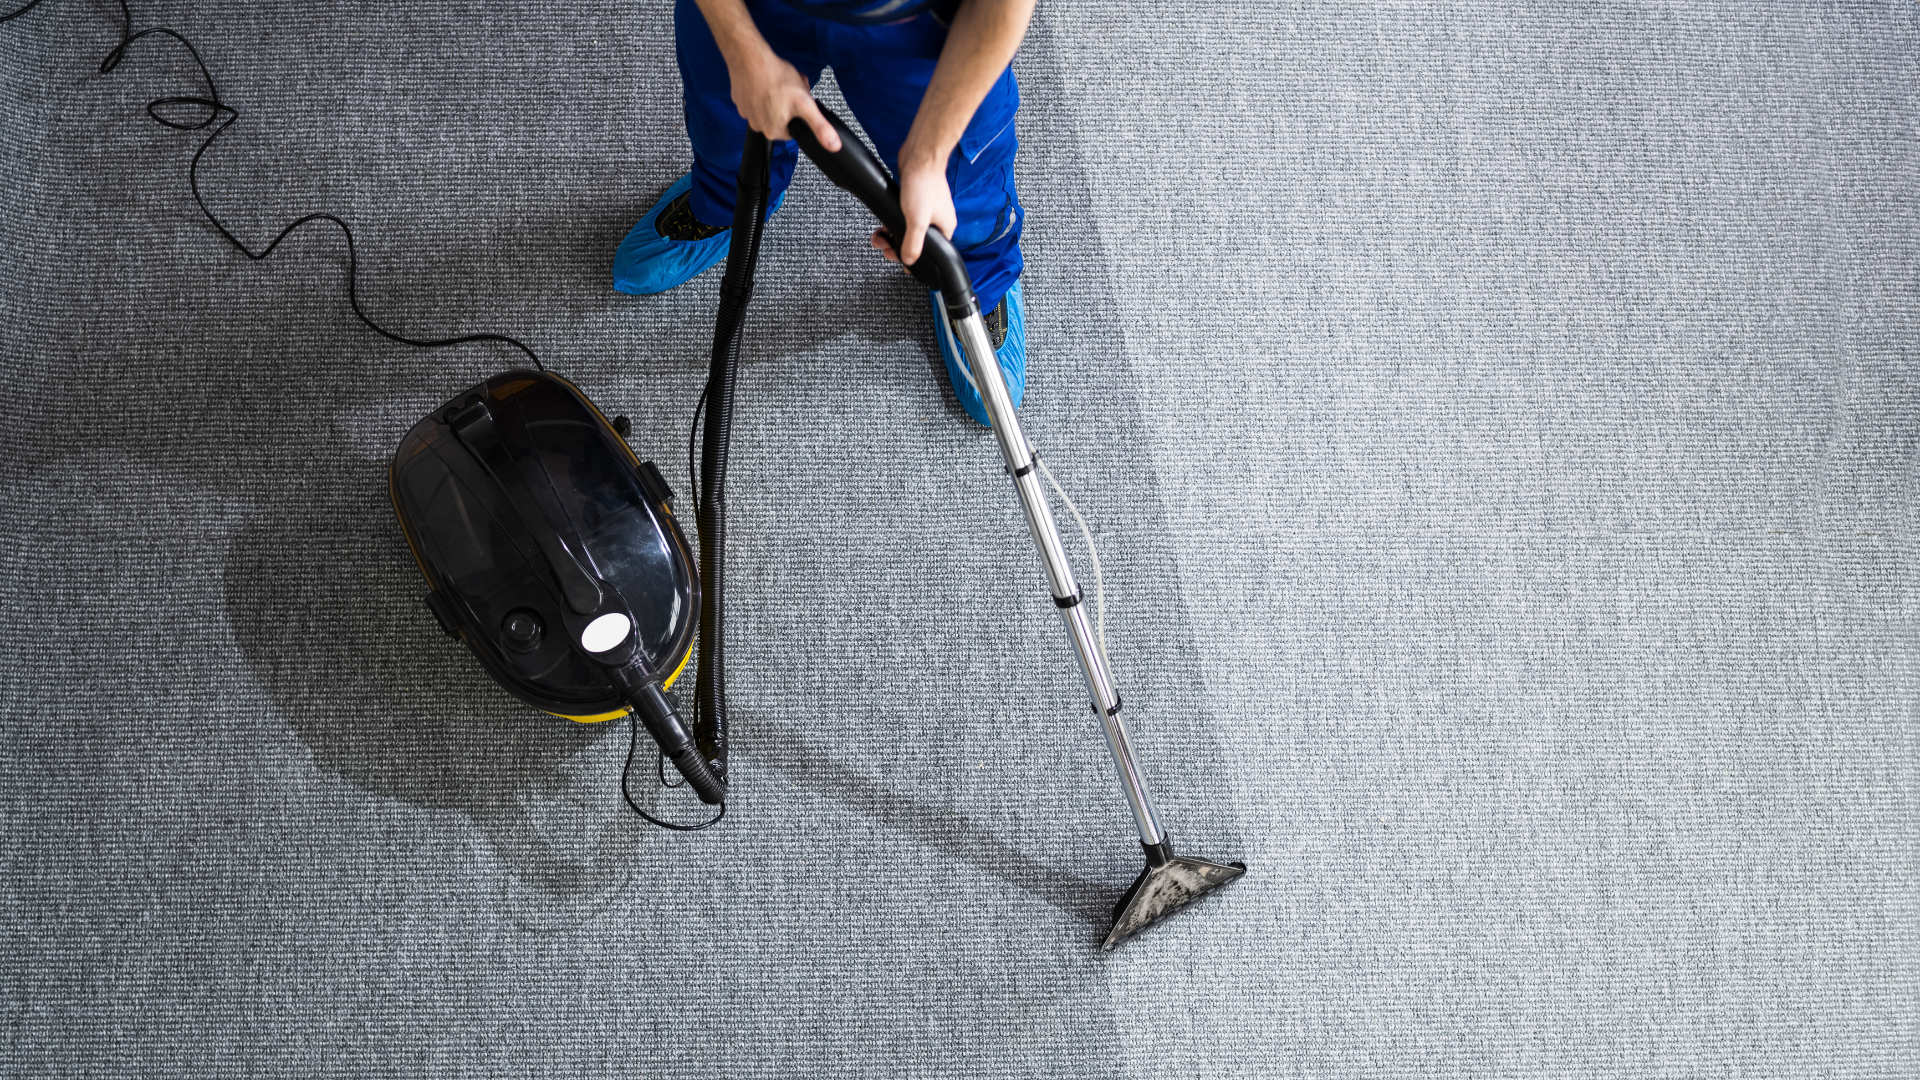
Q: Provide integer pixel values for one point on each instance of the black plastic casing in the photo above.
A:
(482, 564)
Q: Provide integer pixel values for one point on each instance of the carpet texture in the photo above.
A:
(1499, 424)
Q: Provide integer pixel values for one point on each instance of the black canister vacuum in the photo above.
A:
(553, 551)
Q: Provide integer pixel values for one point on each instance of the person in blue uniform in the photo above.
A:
(930, 82)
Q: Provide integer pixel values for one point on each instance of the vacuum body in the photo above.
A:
(552, 552)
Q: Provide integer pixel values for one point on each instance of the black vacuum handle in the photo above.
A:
(854, 168)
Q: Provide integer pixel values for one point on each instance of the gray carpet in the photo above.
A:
(1499, 424)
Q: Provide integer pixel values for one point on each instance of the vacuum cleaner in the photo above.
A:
(553, 552)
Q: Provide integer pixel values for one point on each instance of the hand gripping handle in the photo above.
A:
(854, 168)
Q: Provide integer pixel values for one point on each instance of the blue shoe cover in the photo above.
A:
(1012, 355)
(647, 262)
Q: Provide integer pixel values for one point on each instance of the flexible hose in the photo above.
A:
(736, 289)
(699, 777)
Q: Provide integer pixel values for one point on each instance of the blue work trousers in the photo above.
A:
(883, 73)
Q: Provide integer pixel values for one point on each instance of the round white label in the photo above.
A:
(605, 632)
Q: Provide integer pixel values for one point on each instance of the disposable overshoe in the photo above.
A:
(648, 262)
(1007, 329)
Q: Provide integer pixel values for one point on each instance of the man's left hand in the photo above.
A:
(924, 199)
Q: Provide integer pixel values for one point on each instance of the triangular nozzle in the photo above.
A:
(1168, 884)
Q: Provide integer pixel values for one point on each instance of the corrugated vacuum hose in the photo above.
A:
(753, 194)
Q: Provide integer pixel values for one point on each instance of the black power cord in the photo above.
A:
(12, 15)
(660, 767)
(179, 112)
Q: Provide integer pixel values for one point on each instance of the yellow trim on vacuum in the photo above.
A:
(595, 718)
(676, 671)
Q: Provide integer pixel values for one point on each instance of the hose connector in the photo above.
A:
(654, 709)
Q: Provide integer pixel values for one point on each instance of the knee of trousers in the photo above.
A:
(715, 127)
(989, 217)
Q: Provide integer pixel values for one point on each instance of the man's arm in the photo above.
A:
(768, 91)
(980, 45)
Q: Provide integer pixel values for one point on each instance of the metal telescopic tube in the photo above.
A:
(971, 333)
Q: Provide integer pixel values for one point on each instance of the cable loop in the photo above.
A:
(660, 770)
(633, 747)
(219, 116)
(214, 109)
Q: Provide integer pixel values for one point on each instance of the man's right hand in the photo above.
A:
(768, 91)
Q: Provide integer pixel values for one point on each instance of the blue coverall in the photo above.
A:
(883, 68)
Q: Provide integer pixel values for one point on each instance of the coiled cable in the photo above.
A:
(183, 113)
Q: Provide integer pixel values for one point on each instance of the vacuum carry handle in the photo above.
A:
(854, 168)
(580, 583)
